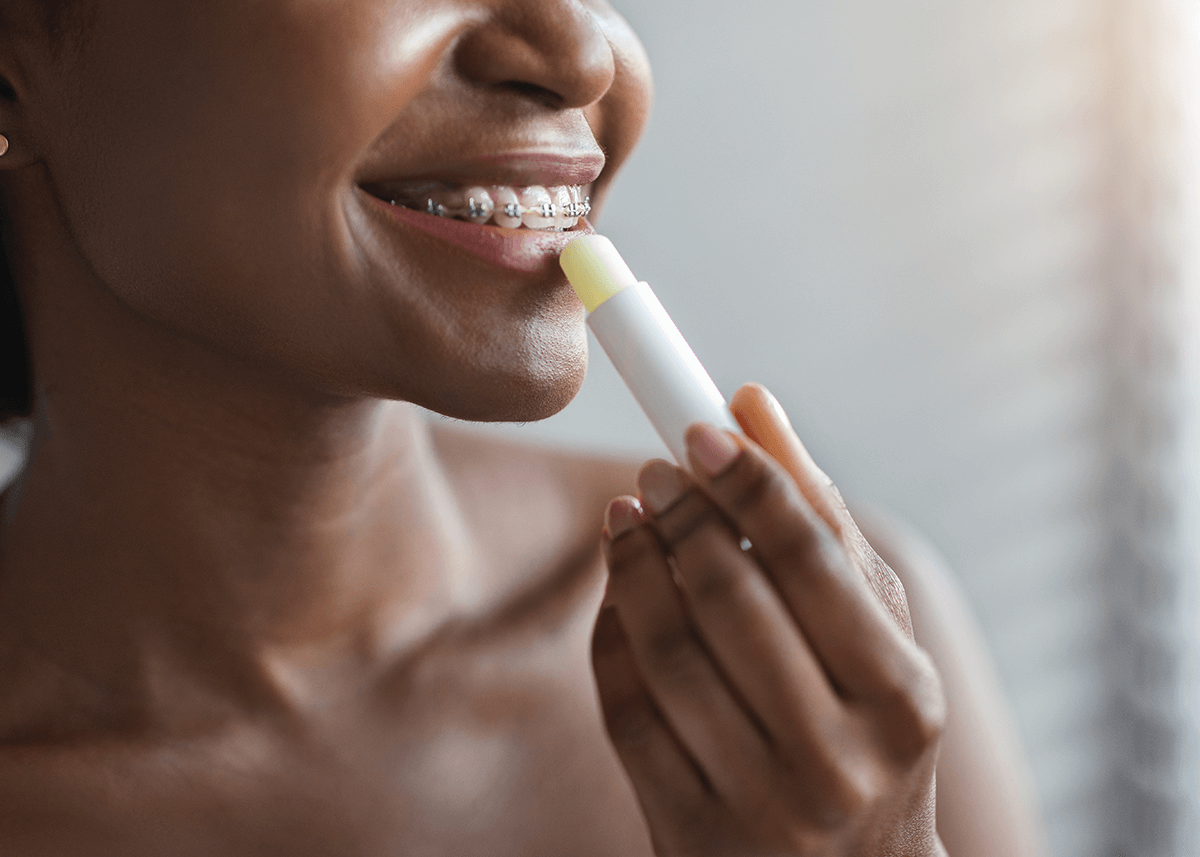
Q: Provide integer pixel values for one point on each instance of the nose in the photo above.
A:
(551, 50)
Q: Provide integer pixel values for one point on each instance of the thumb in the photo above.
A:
(764, 422)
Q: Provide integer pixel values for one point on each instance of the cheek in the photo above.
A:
(199, 170)
(184, 157)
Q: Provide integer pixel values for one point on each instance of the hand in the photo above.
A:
(767, 700)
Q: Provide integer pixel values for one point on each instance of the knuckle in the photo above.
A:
(848, 795)
(672, 654)
(632, 725)
(845, 784)
(686, 519)
(806, 546)
(627, 551)
(853, 794)
(815, 558)
(715, 584)
(752, 484)
(916, 710)
(782, 811)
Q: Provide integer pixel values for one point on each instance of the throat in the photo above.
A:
(224, 566)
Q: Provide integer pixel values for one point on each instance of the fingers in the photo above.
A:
(764, 422)
(679, 673)
(863, 650)
(667, 780)
(742, 619)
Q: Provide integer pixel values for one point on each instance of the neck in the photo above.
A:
(181, 507)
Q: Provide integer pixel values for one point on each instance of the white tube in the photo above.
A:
(658, 366)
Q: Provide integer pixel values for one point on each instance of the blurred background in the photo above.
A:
(955, 238)
(958, 240)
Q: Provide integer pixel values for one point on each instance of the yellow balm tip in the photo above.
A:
(595, 269)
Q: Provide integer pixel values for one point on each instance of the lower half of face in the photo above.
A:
(341, 295)
(238, 217)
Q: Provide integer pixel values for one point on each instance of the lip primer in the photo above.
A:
(644, 345)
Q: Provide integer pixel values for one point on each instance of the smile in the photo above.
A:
(545, 209)
(522, 249)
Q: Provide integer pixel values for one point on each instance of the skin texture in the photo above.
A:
(771, 699)
(250, 601)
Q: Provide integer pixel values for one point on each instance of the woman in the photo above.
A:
(251, 603)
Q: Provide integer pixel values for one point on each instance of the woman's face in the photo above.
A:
(224, 167)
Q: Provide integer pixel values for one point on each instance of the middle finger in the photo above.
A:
(744, 621)
(681, 676)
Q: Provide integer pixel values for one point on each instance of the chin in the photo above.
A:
(540, 392)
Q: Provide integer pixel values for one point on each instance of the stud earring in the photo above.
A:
(3, 145)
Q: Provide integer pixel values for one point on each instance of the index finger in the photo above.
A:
(865, 651)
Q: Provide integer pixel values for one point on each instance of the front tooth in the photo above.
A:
(479, 205)
(564, 214)
(577, 202)
(508, 210)
(539, 208)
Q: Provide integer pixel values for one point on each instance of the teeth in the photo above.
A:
(534, 207)
(508, 208)
(564, 217)
(539, 208)
(479, 205)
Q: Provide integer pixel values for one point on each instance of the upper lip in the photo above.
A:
(546, 167)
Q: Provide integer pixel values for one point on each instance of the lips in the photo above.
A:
(526, 244)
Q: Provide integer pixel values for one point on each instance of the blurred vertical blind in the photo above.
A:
(1148, 279)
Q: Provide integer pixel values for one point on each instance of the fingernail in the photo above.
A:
(622, 515)
(712, 449)
(660, 485)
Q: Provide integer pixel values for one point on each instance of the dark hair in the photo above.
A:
(16, 380)
(16, 370)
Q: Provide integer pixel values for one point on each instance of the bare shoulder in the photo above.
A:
(985, 808)
(538, 510)
(465, 448)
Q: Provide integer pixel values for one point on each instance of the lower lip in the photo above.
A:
(529, 251)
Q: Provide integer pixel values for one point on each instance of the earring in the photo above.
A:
(3, 145)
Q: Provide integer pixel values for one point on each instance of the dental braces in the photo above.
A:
(478, 212)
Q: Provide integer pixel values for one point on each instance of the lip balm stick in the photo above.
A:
(643, 343)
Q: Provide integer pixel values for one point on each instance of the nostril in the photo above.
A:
(554, 53)
(533, 92)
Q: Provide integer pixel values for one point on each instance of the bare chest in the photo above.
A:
(465, 756)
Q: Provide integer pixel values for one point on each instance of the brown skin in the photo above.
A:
(767, 699)
(250, 603)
